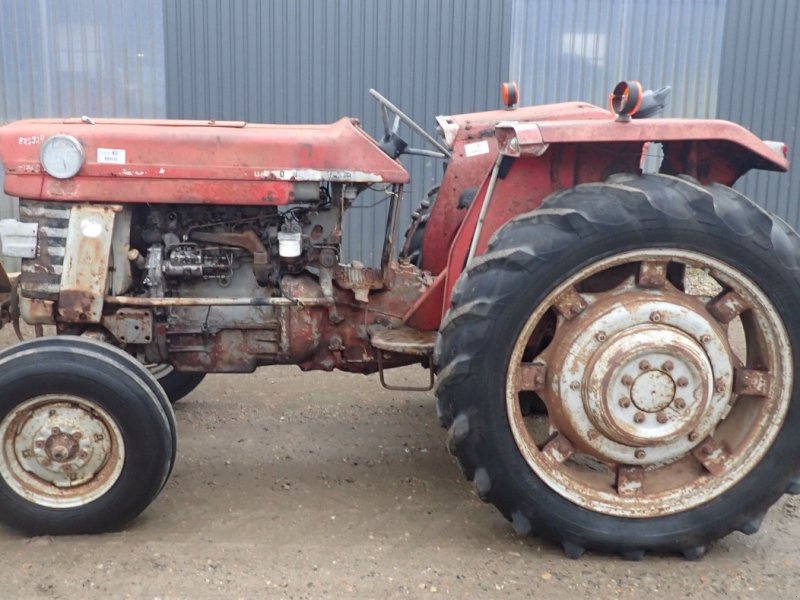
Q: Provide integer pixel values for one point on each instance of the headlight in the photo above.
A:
(62, 156)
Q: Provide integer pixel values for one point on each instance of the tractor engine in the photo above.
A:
(208, 288)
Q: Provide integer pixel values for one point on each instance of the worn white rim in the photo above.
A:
(60, 451)
(758, 425)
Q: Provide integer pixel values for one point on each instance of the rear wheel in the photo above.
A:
(671, 416)
(86, 441)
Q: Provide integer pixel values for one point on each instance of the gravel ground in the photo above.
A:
(292, 485)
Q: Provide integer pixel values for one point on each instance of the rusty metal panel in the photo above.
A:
(83, 57)
(313, 61)
(85, 270)
(760, 88)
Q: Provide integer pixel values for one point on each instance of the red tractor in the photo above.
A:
(615, 350)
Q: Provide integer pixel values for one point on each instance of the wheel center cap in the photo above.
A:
(653, 391)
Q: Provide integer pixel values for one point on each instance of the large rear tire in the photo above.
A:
(672, 412)
(88, 437)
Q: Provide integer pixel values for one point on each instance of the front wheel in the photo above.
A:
(88, 437)
(671, 413)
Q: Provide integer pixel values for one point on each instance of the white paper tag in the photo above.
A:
(476, 148)
(113, 156)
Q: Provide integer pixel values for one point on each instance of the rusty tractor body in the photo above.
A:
(593, 390)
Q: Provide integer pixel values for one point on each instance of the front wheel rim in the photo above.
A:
(60, 451)
(635, 430)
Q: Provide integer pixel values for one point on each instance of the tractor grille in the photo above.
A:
(41, 276)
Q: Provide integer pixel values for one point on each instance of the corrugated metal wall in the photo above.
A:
(311, 61)
(578, 49)
(82, 57)
(760, 88)
(729, 59)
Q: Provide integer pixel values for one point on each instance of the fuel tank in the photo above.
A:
(212, 162)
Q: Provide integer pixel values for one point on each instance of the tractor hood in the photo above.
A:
(187, 161)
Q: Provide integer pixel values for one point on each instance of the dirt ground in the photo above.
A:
(292, 485)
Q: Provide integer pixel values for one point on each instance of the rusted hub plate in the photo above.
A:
(649, 409)
(60, 451)
(618, 373)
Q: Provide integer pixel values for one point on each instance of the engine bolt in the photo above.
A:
(39, 443)
(661, 417)
(719, 386)
(638, 417)
(55, 431)
(574, 385)
(77, 435)
(704, 339)
(627, 380)
(600, 336)
(52, 412)
(693, 436)
(46, 462)
(680, 403)
(644, 365)
(625, 402)
(682, 382)
(668, 366)
(707, 449)
(640, 454)
(655, 316)
(83, 454)
(26, 453)
(592, 434)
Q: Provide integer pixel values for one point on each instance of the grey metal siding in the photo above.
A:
(308, 61)
(578, 49)
(83, 57)
(760, 88)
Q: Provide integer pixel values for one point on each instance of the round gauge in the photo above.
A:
(62, 156)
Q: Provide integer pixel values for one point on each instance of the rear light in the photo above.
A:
(778, 148)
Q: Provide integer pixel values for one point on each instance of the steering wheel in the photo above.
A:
(392, 143)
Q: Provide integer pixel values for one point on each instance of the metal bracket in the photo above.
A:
(403, 388)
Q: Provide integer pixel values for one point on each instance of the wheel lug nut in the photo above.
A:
(644, 365)
(627, 380)
(600, 336)
(640, 454)
(638, 417)
(655, 316)
(680, 403)
(624, 402)
(668, 366)
(682, 382)
(661, 417)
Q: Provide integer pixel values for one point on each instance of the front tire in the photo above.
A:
(87, 442)
(662, 432)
